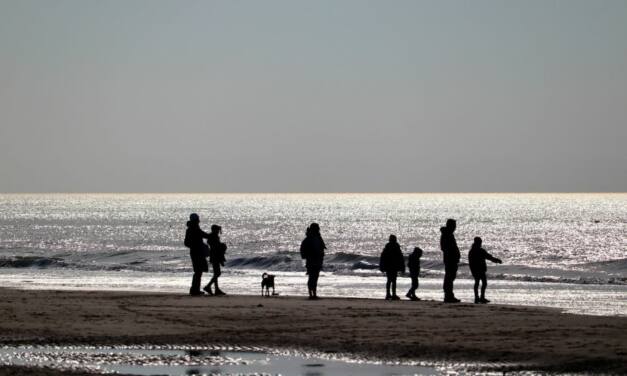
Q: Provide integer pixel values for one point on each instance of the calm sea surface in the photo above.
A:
(574, 241)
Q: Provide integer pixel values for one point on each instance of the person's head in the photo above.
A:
(418, 252)
(451, 224)
(194, 218)
(477, 242)
(216, 229)
(392, 239)
(314, 228)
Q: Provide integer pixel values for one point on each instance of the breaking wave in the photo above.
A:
(606, 272)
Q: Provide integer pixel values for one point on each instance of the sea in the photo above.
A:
(563, 251)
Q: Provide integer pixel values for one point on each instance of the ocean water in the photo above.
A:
(561, 250)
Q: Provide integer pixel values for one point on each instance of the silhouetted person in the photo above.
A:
(391, 263)
(413, 264)
(217, 251)
(450, 253)
(478, 268)
(194, 241)
(312, 250)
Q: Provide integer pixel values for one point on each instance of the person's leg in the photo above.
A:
(213, 280)
(484, 284)
(449, 276)
(476, 289)
(314, 291)
(217, 272)
(394, 286)
(207, 287)
(414, 285)
(453, 277)
(310, 282)
(310, 286)
(195, 288)
(448, 283)
(388, 283)
(197, 267)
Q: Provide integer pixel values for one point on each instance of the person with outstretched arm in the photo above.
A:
(478, 268)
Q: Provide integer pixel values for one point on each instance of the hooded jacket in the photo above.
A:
(312, 250)
(217, 249)
(476, 260)
(448, 245)
(194, 236)
(413, 264)
(392, 259)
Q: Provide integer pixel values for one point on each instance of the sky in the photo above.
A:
(313, 96)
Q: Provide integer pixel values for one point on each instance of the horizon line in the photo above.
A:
(308, 193)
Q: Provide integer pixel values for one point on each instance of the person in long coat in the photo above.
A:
(312, 250)
(450, 256)
(194, 236)
(391, 263)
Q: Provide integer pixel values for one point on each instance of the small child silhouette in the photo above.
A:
(478, 268)
(413, 264)
(391, 263)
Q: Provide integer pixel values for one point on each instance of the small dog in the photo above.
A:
(267, 281)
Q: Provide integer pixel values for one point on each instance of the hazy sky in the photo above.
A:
(313, 96)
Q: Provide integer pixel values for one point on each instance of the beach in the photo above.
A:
(531, 338)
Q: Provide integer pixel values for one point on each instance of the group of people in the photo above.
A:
(215, 250)
(392, 261)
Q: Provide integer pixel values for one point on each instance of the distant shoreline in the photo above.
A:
(534, 338)
(318, 193)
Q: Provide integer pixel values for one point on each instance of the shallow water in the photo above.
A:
(191, 361)
(573, 298)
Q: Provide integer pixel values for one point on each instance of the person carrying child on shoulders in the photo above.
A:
(413, 264)
(478, 268)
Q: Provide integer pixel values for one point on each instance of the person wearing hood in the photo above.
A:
(478, 268)
(312, 251)
(194, 241)
(451, 255)
(391, 263)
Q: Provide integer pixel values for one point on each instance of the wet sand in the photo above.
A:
(537, 338)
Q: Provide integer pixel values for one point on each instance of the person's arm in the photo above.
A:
(303, 250)
(382, 261)
(492, 258)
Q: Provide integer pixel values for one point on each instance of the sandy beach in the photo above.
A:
(540, 339)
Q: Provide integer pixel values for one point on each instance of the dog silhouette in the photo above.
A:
(267, 282)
